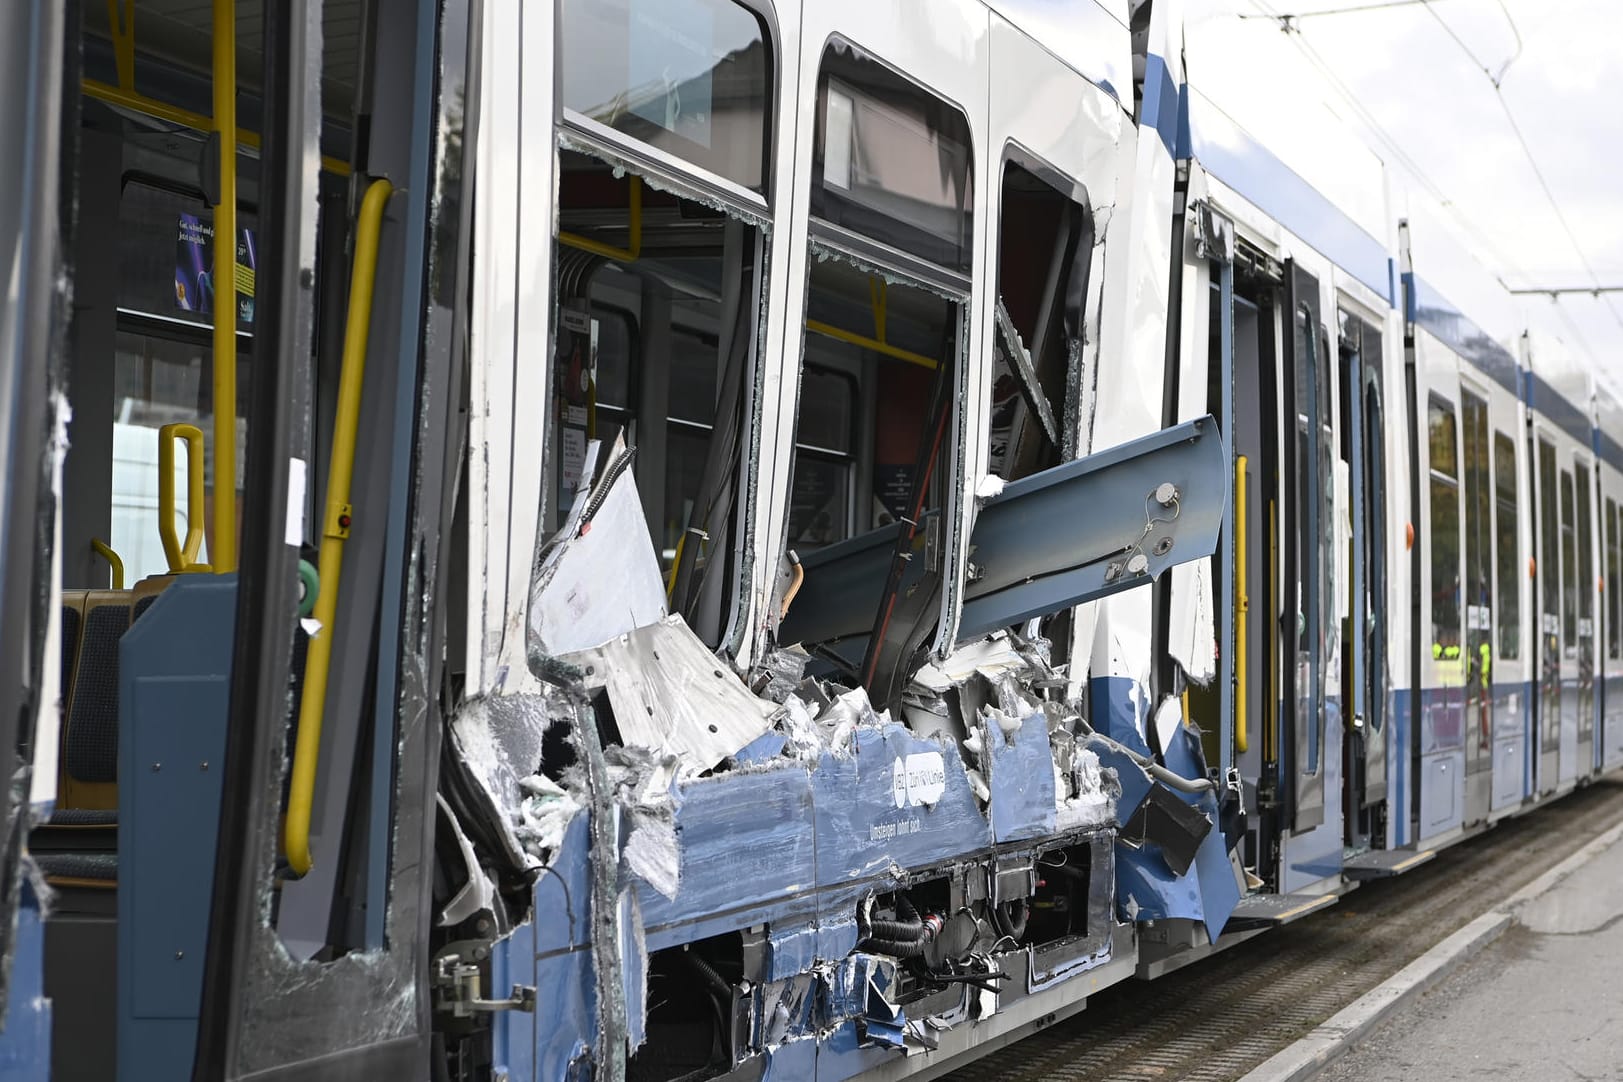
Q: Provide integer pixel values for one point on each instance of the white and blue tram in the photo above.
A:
(738, 538)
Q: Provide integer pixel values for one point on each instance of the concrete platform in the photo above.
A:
(1530, 991)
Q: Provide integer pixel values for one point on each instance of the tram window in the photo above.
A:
(1586, 554)
(159, 380)
(917, 324)
(891, 161)
(1477, 596)
(1045, 242)
(821, 510)
(1445, 531)
(1507, 581)
(685, 416)
(1569, 578)
(1614, 584)
(691, 77)
(612, 389)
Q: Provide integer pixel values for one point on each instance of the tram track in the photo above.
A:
(1219, 1018)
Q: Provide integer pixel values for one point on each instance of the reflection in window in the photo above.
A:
(691, 77)
(1445, 531)
(1614, 584)
(1549, 572)
(1569, 577)
(1586, 555)
(891, 161)
(1507, 580)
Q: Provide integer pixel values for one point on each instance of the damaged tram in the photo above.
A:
(709, 538)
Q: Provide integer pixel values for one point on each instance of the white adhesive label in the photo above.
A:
(294, 533)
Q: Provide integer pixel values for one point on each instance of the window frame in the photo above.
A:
(1439, 477)
(1507, 578)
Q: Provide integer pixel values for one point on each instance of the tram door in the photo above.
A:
(1477, 557)
(1548, 575)
(1311, 610)
(1364, 672)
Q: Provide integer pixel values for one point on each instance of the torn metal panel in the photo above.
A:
(788, 1011)
(499, 743)
(633, 968)
(1207, 891)
(1192, 625)
(599, 575)
(745, 841)
(791, 949)
(670, 694)
(898, 801)
(562, 908)
(1020, 775)
(1043, 544)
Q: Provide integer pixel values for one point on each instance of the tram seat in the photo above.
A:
(78, 846)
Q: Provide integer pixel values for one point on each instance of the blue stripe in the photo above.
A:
(1553, 407)
(1162, 104)
(1251, 169)
(1429, 309)
(1608, 450)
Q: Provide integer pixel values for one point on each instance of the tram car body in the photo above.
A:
(767, 539)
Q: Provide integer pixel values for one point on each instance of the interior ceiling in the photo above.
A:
(180, 32)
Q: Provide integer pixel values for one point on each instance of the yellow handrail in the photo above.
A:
(223, 550)
(137, 102)
(633, 249)
(121, 25)
(181, 557)
(1242, 607)
(885, 348)
(335, 526)
(105, 551)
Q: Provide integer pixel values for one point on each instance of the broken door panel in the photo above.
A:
(1042, 544)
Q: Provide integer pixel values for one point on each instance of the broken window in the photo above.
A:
(1045, 243)
(874, 479)
(675, 389)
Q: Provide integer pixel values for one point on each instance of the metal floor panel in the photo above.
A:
(1381, 863)
(1276, 909)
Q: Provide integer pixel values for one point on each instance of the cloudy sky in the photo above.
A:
(1424, 71)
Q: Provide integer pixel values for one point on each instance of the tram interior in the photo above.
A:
(141, 173)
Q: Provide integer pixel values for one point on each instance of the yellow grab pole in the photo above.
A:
(181, 556)
(335, 526)
(105, 551)
(223, 550)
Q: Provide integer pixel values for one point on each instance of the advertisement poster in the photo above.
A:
(194, 268)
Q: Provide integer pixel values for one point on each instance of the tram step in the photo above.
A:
(1262, 910)
(1384, 863)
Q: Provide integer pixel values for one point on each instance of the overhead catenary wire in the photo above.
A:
(1495, 79)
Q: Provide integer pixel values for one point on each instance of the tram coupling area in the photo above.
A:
(1497, 959)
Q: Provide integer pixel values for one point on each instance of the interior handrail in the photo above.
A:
(182, 555)
(105, 551)
(335, 527)
(223, 549)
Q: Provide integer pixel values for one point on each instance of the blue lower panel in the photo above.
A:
(174, 690)
(25, 1046)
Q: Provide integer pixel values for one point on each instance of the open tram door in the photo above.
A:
(30, 369)
(1365, 677)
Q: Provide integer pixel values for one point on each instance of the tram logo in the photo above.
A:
(918, 780)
